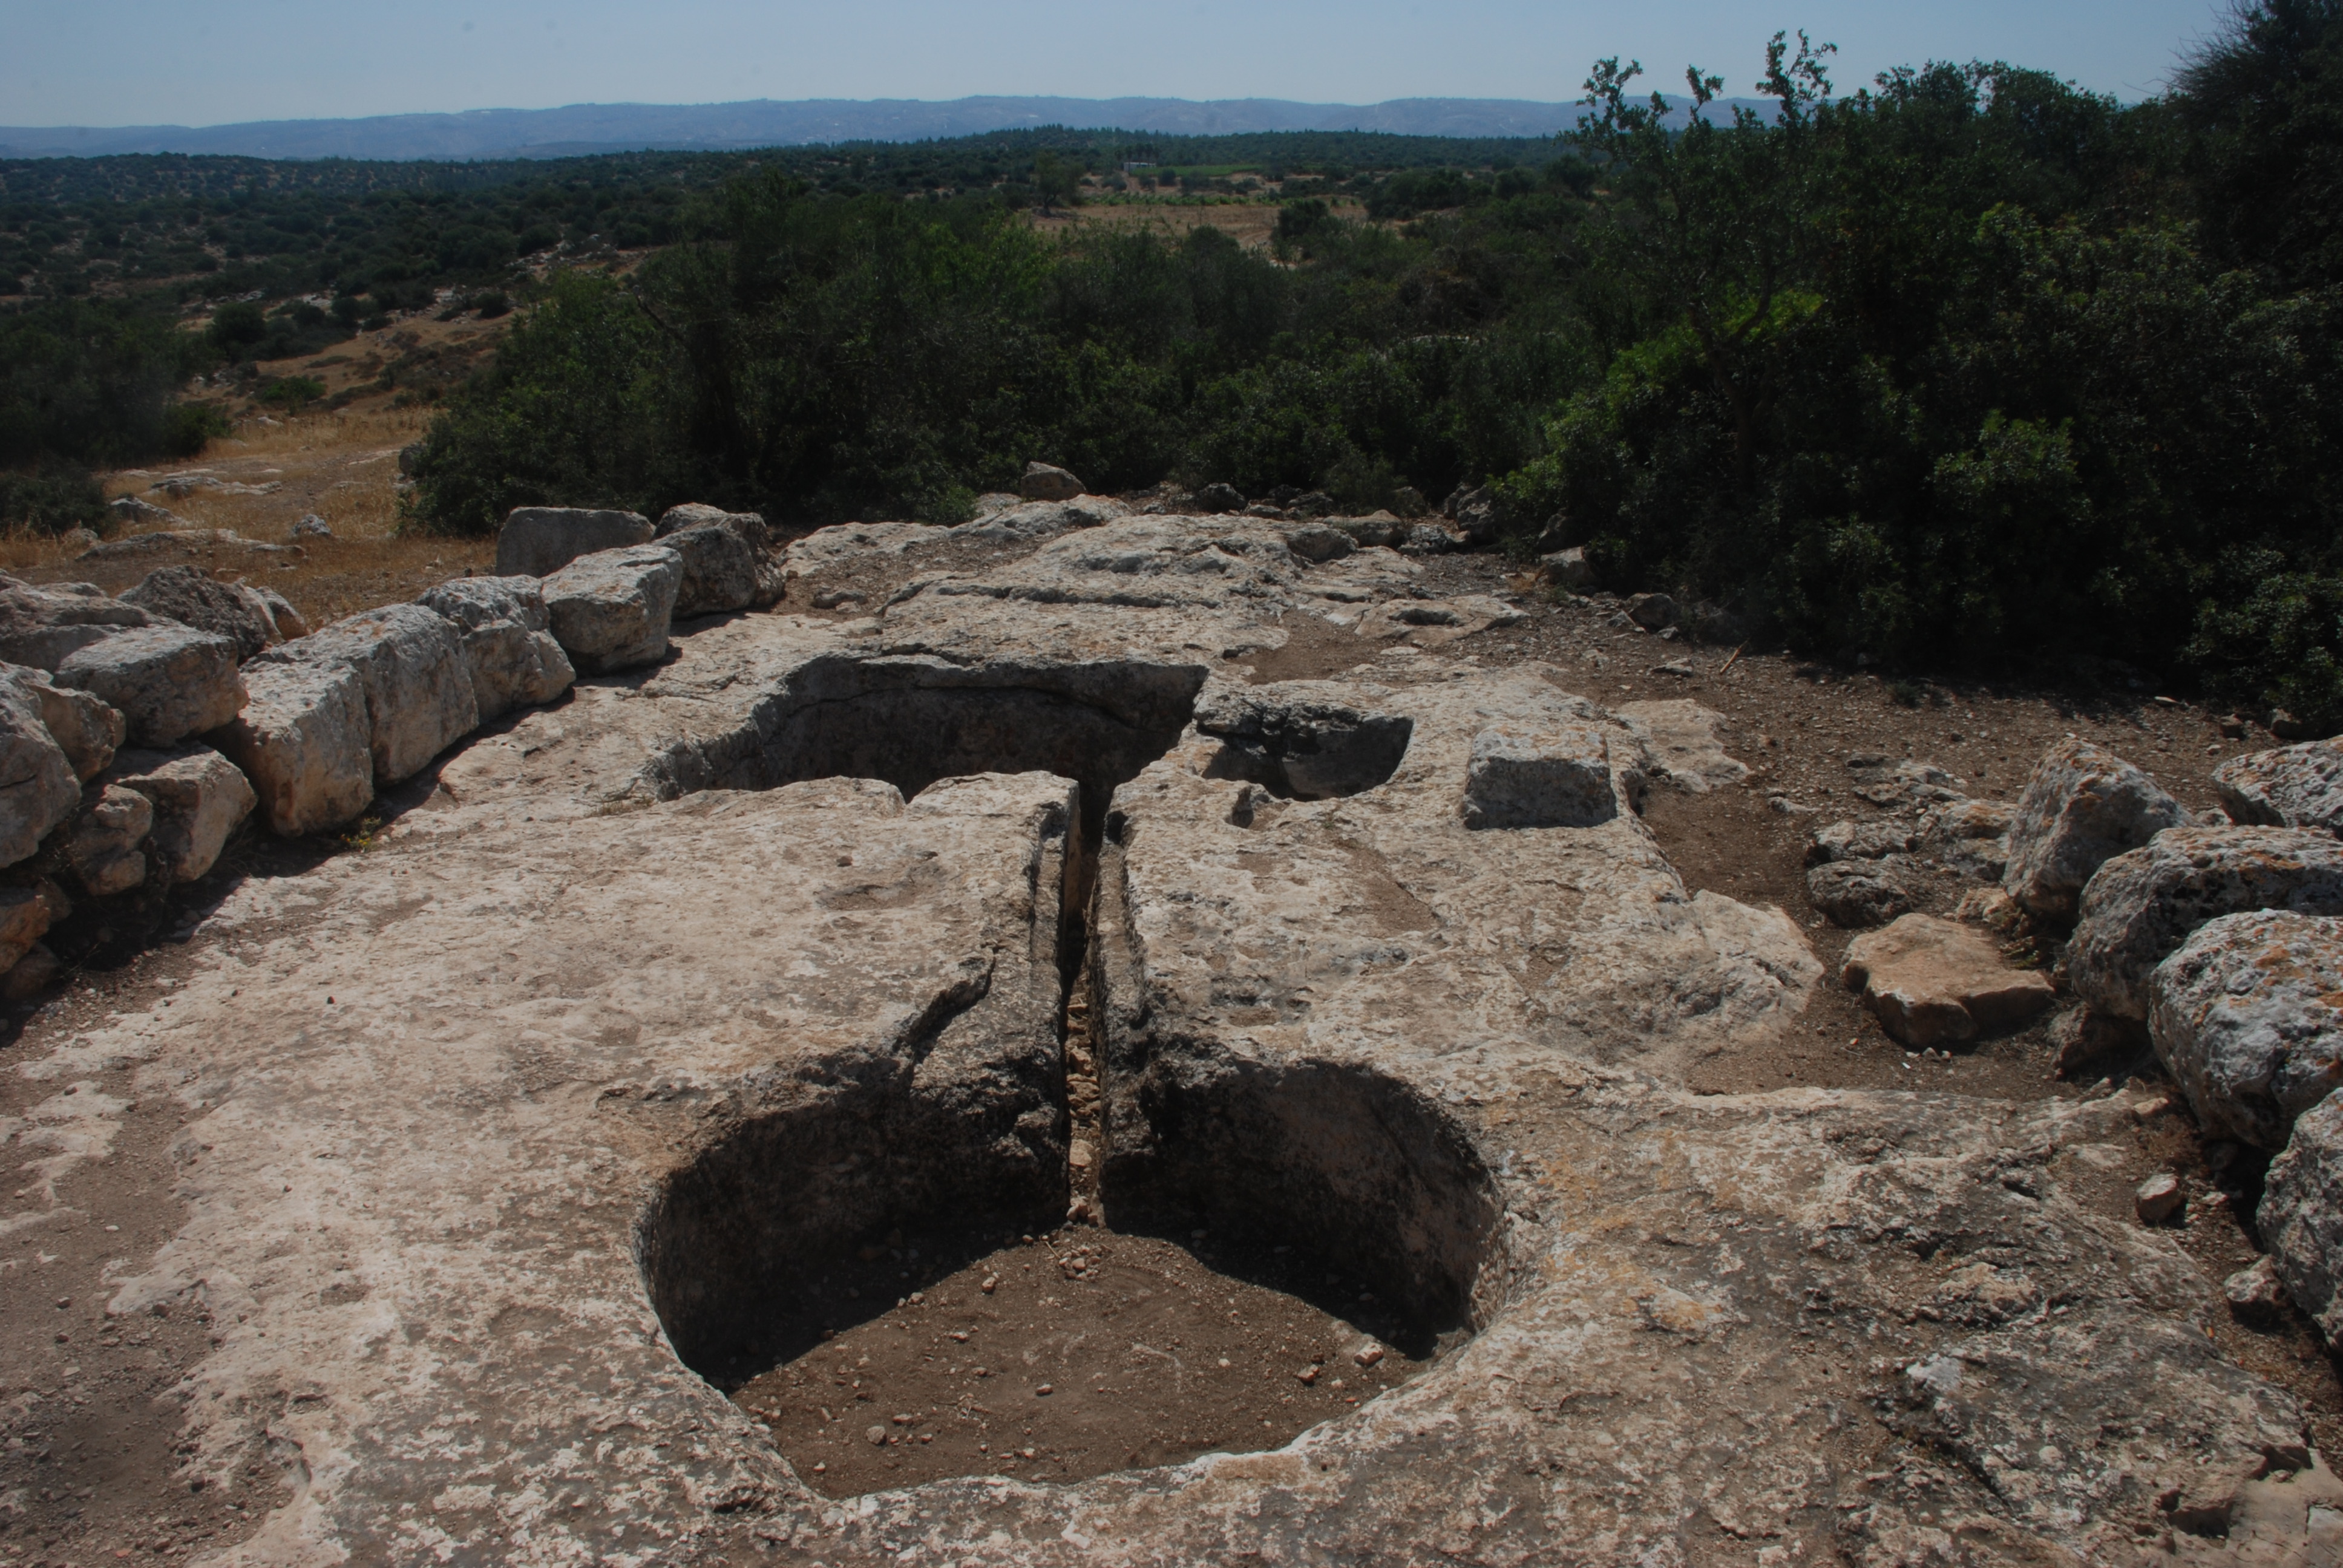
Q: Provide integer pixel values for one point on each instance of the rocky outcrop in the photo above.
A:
(304, 742)
(2248, 1017)
(193, 597)
(38, 788)
(677, 991)
(198, 797)
(611, 611)
(410, 664)
(508, 644)
(2141, 905)
(538, 541)
(167, 681)
(1043, 482)
(727, 564)
(1933, 982)
(2082, 805)
(2293, 787)
(40, 627)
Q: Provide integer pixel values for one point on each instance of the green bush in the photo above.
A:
(51, 500)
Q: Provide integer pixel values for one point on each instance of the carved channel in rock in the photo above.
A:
(879, 1266)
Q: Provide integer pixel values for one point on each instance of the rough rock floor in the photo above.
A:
(97, 1459)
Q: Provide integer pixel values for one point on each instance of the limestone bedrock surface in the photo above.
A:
(499, 1135)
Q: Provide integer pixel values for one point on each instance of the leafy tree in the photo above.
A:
(2264, 96)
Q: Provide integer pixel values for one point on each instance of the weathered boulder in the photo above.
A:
(513, 657)
(1555, 779)
(105, 846)
(1218, 497)
(418, 686)
(37, 786)
(2301, 1215)
(610, 610)
(2141, 905)
(304, 742)
(2292, 787)
(193, 597)
(167, 681)
(1853, 894)
(2082, 806)
(1319, 544)
(1873, 841)
(198, 797)
(1566, 568)
(1971, 837)
(1933, 982)
(2248, 1017)
(538, 541)
(725, 566)
(1043, 482)
(39, 626)
(89, 729)
(1653, 611)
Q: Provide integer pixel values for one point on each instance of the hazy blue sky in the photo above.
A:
(205, 62)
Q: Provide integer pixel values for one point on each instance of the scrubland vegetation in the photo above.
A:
(1967, 368)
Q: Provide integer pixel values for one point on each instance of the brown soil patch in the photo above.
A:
(1060, 1357)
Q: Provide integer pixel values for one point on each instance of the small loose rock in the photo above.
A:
(2159, 1198)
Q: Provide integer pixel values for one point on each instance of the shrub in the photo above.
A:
(51, 500)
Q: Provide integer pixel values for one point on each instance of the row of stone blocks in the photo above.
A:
(306, 725)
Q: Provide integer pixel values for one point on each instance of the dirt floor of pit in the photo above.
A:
(1059, 1357)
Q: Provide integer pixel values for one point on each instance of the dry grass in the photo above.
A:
(1250, 223)
(342, 466)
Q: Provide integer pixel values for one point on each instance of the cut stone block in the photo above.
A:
(514, 658)
(611, 611)
(167, 681)
(1557, 779)
(304, 741)
(193, 597)
(198, 797)
(89, 729)
(106, 844)
(37, 786)
(40, 626)
(538, 541)
(419, 685)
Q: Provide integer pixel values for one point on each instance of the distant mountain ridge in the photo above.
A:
(585, 128)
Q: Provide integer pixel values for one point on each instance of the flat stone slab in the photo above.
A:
(1933, 982)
